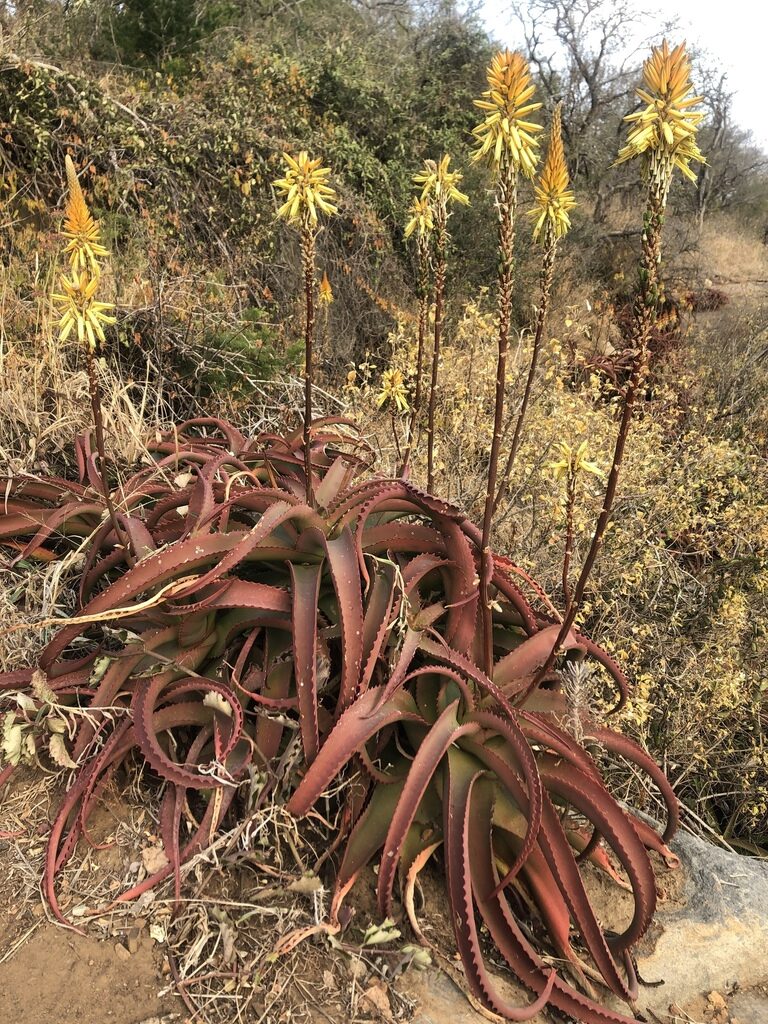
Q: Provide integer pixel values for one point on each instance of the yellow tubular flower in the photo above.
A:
(80, 309)
(664, 131)
(84, 246)
(306, 191)
(393, 390)
(553, 197)
(505, 134)
(325, 294)
(572, 462)
(420, 218)
(439, 184)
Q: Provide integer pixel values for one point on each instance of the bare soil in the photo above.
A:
(121, 970)
(59, 976)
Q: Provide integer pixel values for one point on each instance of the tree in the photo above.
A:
(736, 172)
(151, 31)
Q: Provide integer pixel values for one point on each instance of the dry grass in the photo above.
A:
(227, 944)
(731, 253)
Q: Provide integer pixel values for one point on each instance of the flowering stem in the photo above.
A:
(546, 275)
(570, 503)
(441, 245)
(398, 450)
(646, 308)
(424, 296)
(94, 389)
(506, 202)
(308, 264)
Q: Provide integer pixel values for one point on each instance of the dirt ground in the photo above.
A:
(221, 947)
(56, 975)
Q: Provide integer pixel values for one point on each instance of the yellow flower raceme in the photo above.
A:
(393, 390)
(572, 462)
(420, 218)
(665, 129)
(439, 184)
(553, 197)
(80, 308)
(505, 133)
(306, 190)
(84, 246)
(325, 292)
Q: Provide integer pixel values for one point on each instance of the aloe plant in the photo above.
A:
(356, 619)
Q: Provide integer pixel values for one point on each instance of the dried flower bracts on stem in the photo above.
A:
(421, 222)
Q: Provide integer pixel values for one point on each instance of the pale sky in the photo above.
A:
(734, 32)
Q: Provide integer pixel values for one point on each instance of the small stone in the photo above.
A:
(154, 859)
(121, 952)
(377, 999)
(357, 969)
(716, 1001)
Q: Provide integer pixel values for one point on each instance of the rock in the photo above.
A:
(749, 1007)
(376, 1001)
(711, 953)
(121, 952)
(718, 941)
(357, 969)
(717, 1008)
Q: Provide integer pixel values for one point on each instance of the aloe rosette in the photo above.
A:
(357, 618)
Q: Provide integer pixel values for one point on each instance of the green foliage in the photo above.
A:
(155, 32)
(237, 359)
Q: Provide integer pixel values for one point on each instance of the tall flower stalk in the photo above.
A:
(307, 193)
(439, 188)
(394, 395)
(554, 200)
(506, 142)
(81, 311)
(421, 222)
(572, 464)
(663, 135)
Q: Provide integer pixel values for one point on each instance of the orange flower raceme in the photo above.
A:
(553, 197)
(84, 246)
